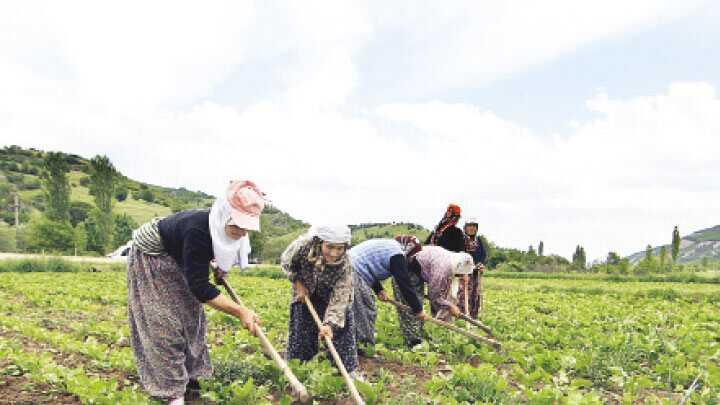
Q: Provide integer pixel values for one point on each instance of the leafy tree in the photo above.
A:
(489, 247)
(7, 238)
(663, 257)
(613, 258)
(579, 259)
(257, 243)
(7, 203)
(94, 240)
(124, 226)
(624, 266)
(531, 254)
(146, 195)
(80, 238)
(79, 211)
(103, 178)
(121, 192)
(541, 249)
(56, 186)
(51, 236)
(675, 243)
(648, 264)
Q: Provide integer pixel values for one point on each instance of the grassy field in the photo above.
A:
(64, 336)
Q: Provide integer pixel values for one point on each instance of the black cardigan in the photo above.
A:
(186, 237)
(452, 239)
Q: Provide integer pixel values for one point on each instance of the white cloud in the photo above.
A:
(136, 81)
(473, 43)
(617, 182)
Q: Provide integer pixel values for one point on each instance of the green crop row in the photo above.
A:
(92, 390)
(565, 341)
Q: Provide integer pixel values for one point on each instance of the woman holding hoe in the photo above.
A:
(442, 270)
(319, 268)
(373, 261)
(168, 281)
(474, 246)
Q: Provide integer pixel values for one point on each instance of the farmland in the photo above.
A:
(64, 338)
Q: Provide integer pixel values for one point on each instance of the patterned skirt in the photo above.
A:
(167, 325)
(365, 311)
(474, 296)
(410, 325)
(304, 334)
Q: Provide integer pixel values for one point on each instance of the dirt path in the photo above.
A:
(77, 259)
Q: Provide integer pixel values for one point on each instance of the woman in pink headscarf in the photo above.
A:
(168, 280)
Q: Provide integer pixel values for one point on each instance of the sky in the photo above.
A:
(593, 123)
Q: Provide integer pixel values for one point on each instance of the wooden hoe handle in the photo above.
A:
(298, 388)
(348, 381)
(492, 342)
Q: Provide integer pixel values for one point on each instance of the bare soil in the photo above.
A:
(21, 390)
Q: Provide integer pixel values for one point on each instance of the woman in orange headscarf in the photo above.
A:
(446, 233)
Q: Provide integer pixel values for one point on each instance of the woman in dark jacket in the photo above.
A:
(168, 280)
(475, 246)
(446, 233)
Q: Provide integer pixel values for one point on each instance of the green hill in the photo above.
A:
(699, 245)
(387, 230)
(705, 235)
(278, 238)
(20, 174)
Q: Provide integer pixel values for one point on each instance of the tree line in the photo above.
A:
(75, 227)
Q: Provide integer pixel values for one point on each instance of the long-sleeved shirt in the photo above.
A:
(436, 270)
(452, 239)
(376, 260)
(479, 254)
(329, 284)
(186, 237)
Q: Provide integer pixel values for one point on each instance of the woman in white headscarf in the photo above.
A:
(475, 246)
(168, 280)
(318, 265)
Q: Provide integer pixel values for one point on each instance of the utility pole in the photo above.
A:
(17, 211)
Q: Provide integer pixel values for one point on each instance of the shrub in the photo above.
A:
(30, 184)
(146, 195)
(123, 228)
(51, 236)
(79, 211)
(54, 265)
(38, 265)
(7, 238)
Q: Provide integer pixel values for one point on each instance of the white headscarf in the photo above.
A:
(332, 233)
(462, 263)
(226, 249)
